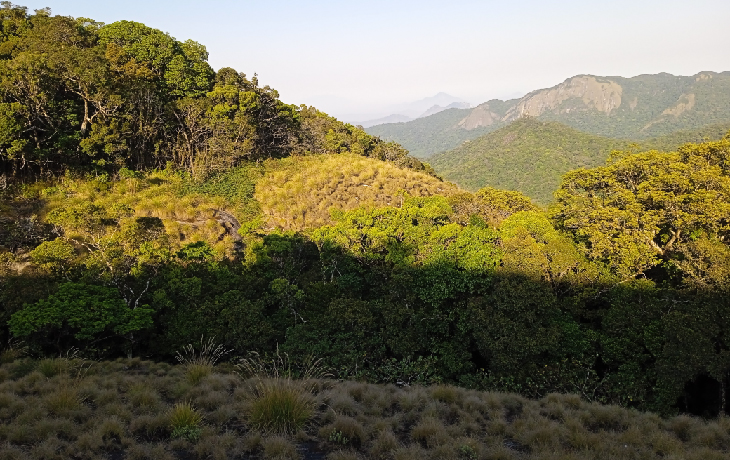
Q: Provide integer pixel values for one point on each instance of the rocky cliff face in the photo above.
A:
(620, 107)
(584, 92)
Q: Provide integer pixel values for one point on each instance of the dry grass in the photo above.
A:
(187, 216)
(137, 409)
(279, 406)
(293, 193)
(199, 360)
(299, 192)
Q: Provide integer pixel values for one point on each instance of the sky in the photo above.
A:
(357, 60)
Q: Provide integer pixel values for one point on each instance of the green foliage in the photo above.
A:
(93, 98)
(640, 210)
(55, 255)
(84, 311)
(338, 438)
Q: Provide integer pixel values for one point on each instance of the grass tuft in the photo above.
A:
(280, 406)
(199, 361)
(185, 422)
(63, 402)
(279, 448)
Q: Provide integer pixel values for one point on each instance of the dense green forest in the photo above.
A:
(83, 96)
(531, 156)
(148, 201)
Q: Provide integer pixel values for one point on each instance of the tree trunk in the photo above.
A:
(86, 117)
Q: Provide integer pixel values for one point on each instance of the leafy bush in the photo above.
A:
(82, 311)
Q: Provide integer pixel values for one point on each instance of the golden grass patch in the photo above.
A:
(298, 193)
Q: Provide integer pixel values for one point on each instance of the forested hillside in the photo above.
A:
(82, 96)
(528, 155)
(152, 209)
(531, 156)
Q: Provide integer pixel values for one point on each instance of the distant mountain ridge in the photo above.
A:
(421, 108)
(631, 108)
(395, 118)
(434, 109)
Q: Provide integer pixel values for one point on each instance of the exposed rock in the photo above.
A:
(480, 116)
(704, 76)
(603, 95)
(684, 104)
(229, 222)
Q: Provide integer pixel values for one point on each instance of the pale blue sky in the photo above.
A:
(354, 59)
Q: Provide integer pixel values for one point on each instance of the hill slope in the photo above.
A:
(672, 141)
(640, 107)
(341, 419)
(530, 155)
(298, 193)
(435, 133)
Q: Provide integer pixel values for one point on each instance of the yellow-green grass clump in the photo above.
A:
(299, 192)
(280, 406)
(187, 213)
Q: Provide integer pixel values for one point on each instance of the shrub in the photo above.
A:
(430, 432)
(142, 396)
(197, 372)
(384, 445)
(16, 349)
(51, 367)
(350, 431)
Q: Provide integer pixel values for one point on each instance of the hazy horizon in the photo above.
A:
(358, 60)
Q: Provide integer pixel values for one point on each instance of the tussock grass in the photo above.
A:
(279, 406)
(300, 192)
(199, 361)
(138, 409)
(185, 421)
